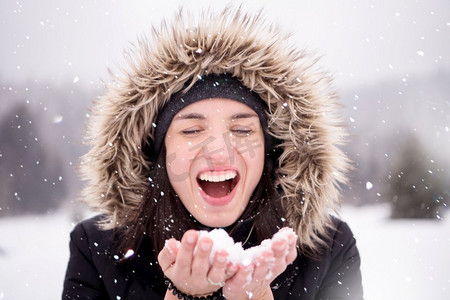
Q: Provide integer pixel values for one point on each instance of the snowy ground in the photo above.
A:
(401, 259)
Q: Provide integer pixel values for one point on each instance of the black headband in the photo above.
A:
(211, 86)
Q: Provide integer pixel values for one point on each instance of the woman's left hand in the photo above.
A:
(253, 280)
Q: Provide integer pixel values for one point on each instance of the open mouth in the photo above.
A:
(218, 184)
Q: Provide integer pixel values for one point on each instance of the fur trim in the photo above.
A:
(302, 114)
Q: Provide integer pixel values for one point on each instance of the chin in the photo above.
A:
(216, 221)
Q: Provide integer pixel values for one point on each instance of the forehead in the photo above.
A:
(214, 106)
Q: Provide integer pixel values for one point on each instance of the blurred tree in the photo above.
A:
(30, 176)
(417, 184)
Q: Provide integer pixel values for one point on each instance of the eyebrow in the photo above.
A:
(244, 116)
(190, 116)
(198, 116)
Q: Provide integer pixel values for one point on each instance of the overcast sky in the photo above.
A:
(361, 41)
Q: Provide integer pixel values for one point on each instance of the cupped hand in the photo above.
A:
(252, 280)
(190, 271)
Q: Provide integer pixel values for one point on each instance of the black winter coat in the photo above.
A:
(95, 272)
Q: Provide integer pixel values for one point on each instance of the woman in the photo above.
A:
(215, 125)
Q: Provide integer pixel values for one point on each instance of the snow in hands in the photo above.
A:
(237, 255)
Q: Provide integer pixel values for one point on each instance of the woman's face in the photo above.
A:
(215, 158)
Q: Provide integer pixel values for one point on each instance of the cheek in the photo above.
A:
(177, 153)
(253, 156)
(255, 166)
(177, 166)
(252, 150)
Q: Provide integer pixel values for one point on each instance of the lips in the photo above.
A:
(218, 187)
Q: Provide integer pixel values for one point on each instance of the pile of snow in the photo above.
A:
(236, 253)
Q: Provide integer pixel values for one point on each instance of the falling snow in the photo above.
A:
(405, 45)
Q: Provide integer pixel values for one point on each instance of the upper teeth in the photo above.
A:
(214, 177)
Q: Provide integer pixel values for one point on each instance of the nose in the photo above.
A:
(217, 148)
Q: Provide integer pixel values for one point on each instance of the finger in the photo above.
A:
(292, 239)
(166, 256)
(292, 254)
(242, 277)
(217, 272)
(237, 285)
(185, 253)
(231, 270)
(200, 262)
(263, 267)
(173, 245)
(279, 249)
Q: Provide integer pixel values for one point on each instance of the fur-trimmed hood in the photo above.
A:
(302, 113)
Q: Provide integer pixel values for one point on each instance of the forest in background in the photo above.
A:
(399, 140)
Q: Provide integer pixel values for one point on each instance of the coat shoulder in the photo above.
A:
(342, 237)
(91, 227)
(343, 276)
(89, 234)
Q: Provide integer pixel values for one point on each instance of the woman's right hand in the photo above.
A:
(191, 272)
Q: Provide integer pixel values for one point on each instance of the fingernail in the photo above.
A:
(205, 245)
(268, 256)
(280, 245)
(292, 239)
(166, 244)
(221, 258)
(190, 239)
(232, 267)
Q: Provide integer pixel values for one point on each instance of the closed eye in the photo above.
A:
(191, 131)
(241, 132)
